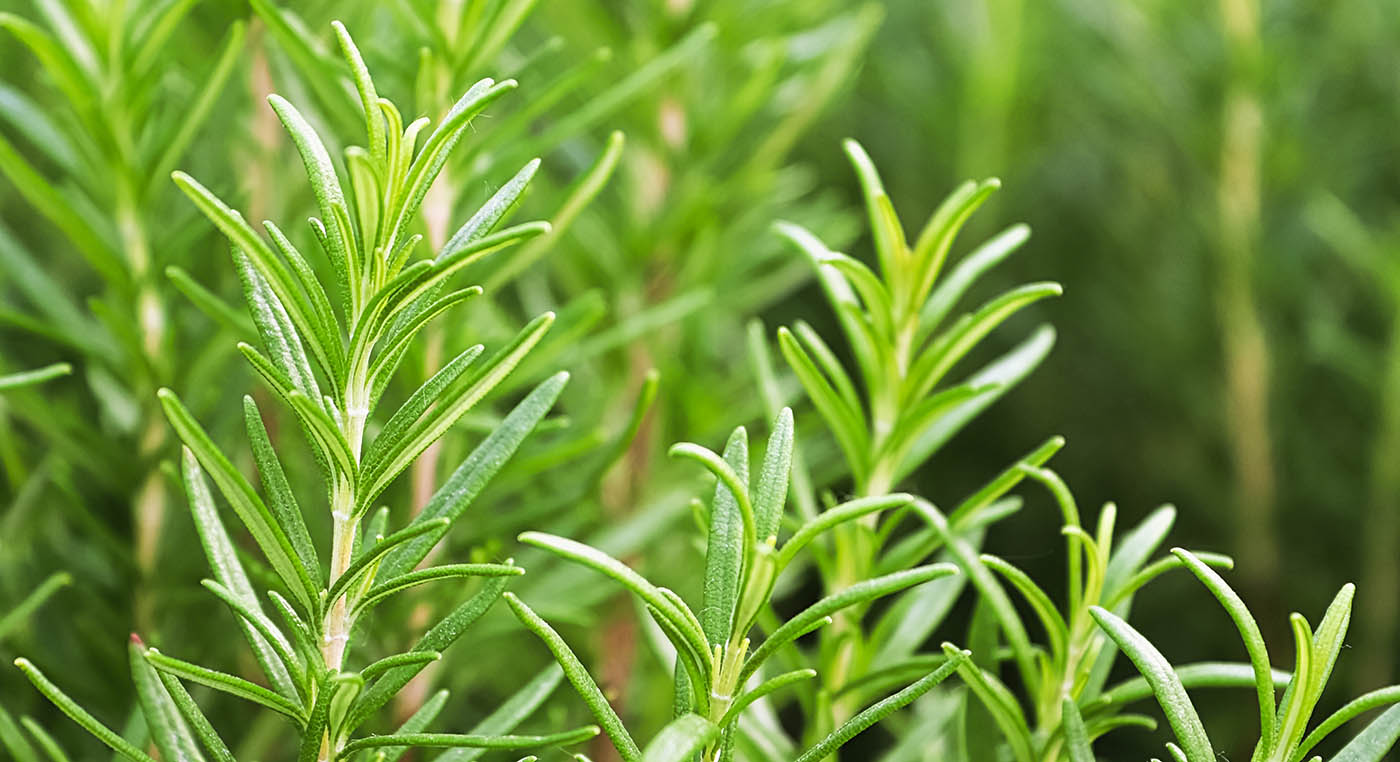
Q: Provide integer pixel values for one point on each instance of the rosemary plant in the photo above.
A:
(89, 168)
(1283, 723)
(893, 325)
(330, 375)
(1071, 668)
(717, 670)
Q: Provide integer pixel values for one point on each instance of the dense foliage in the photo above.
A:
(278, 356)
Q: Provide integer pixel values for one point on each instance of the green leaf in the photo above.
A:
(580, 195)
(394, 585)
(681, 739)
(366, 563)
(210, 304)
(56, 207)
(680, 618)
(772, 488)
(907, 623)
(578, 676)
(1076, 737)
(729, 543)
(999, 703)
(931, 249)
(223, 561)
(1166, 686)
(841, 296)
(999, 377)
(508, 715)
(1162, 566)
(860, 592)
(640, 80)
(430, 160)
(761, 690)
(268, 534)
(315, 730)
(451, 740)
(917, 421)
(13, 740)
(472, 476)
(20, 613)
(279, 336)
(397, 342)
(1249, 633)
(438, 638)
(167, 725)
(423, 279)
(310, 282)
(205, 732)
(279, 492)
(1373, 743)
(424, 396)
(952, 288)
(45, 741)
(416, 723)
(269, 632)
(75, 83)
(832, 517)
(1354, 708)
(1199, 675)
(412, 658)
(369, 99)
(197, 114)
(38, 129)
(36, 376)
(993, 596)
(79, 715)
(846, 422)
(319, 339)
(489, 215)
(1132, 550)
(1057, 632)
(382, 464)
(226, 683)
(884, 225)
(920, 544)
(1316, 657)
(326, 436)
(325, 185)
(880, 710)
(950, 347)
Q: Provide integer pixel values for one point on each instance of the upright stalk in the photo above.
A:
(855, 542)
(1244, 343)
(1380, 566)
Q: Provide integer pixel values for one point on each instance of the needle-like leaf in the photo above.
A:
(578, 675)
(1166, 686)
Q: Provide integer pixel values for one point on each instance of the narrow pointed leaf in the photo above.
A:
(221, 681)
(228, 570)
(578, 675)
(880, 710)
(681, 739)
(1166, 686)
(169, 731)
(79, 715)
(271, 539)
(472, 476)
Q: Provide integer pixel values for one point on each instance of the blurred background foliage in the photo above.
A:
(1213, 183)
